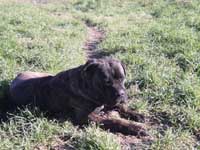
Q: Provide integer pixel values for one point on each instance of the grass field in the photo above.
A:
(158, 40)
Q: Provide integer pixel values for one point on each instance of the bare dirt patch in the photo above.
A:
(94, 38)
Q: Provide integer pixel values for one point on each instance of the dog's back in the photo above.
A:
(24, 76)
(22, 88)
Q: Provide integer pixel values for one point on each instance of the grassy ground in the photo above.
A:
(158, 40)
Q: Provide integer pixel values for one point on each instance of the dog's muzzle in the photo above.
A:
(121, 96)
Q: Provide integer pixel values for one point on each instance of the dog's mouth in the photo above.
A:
(117, 100)
(121, 99)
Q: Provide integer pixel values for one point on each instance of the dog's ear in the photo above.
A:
(90, 67)
(124, 67)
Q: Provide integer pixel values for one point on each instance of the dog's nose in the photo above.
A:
(122, 93)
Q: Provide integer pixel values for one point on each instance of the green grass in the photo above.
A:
(158, 40)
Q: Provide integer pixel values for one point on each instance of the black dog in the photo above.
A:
(79, 90)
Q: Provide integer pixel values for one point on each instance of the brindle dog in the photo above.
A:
(79, 90)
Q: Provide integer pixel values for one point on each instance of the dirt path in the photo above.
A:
(94, 38)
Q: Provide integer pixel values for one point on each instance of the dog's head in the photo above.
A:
(106, 80)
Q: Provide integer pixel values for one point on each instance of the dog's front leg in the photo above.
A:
(127, 113)
(117, 124)
(81, 117)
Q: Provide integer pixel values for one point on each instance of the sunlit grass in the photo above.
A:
(158, 41)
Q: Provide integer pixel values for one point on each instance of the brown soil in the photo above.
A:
(94, 38)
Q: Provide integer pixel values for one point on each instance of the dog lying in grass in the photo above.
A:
(79, 90)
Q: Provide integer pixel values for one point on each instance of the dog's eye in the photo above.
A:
(121, 80)
(108, 82)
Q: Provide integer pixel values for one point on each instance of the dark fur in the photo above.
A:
(79, 90)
